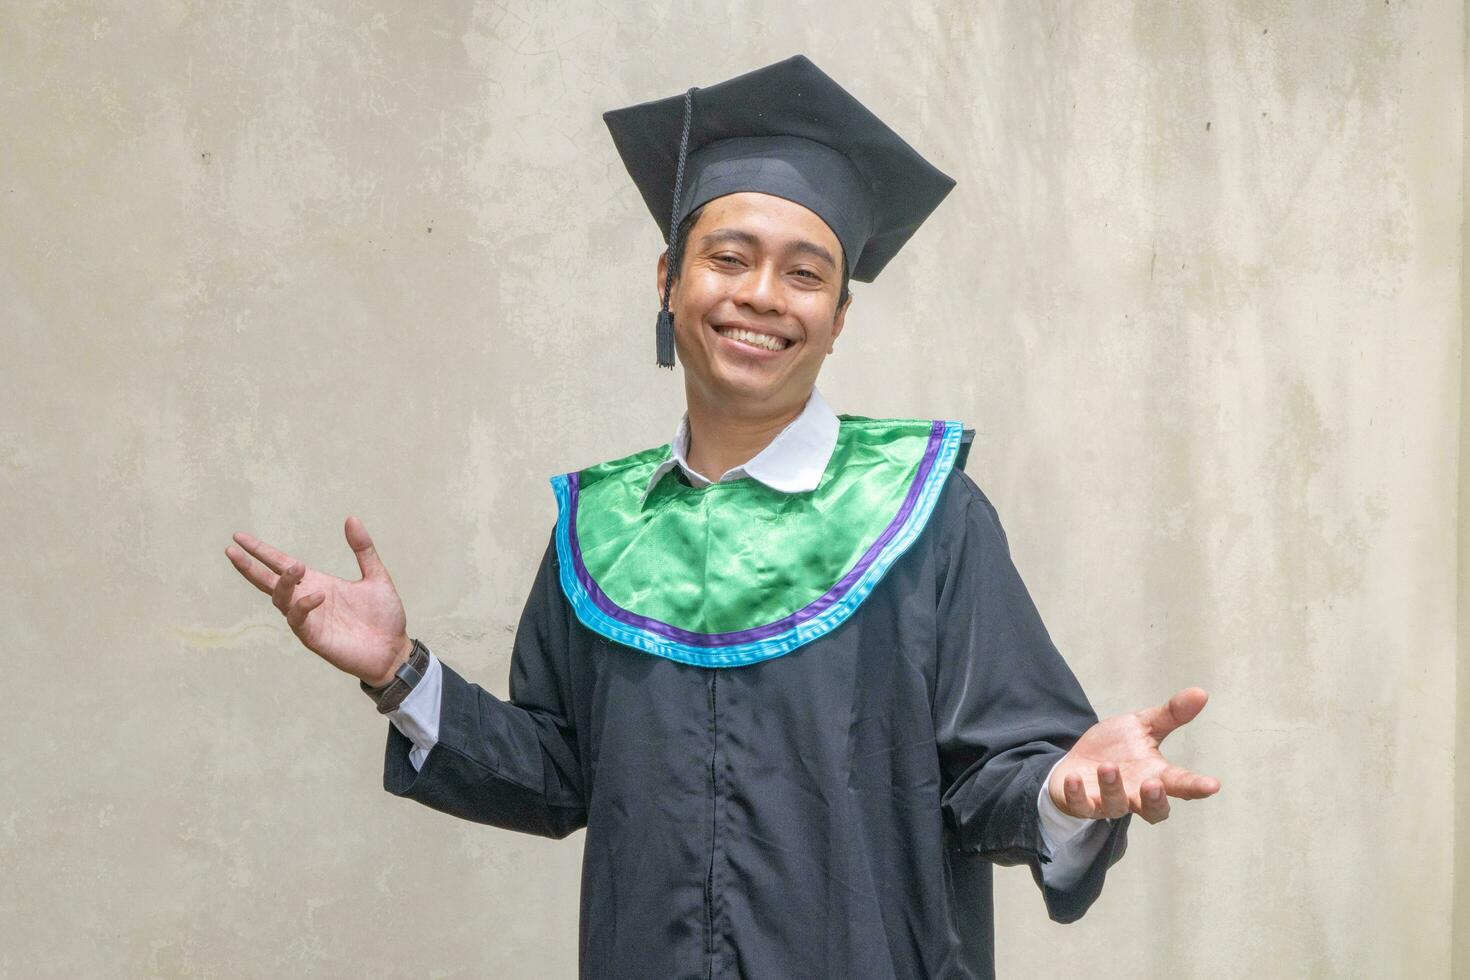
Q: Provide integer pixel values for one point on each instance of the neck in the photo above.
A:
(720, 440)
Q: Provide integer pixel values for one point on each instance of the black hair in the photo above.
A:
(676, 263)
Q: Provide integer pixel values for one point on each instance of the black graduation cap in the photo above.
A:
(788, 130)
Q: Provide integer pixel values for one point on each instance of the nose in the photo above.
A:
(760, 289)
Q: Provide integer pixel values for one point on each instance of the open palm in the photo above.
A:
(358, 627)
(1116, 767)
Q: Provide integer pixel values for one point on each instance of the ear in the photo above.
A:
(663, 268)
(838, 321)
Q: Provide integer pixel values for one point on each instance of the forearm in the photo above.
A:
(484, 759)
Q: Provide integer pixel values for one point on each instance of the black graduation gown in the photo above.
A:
(833, 812)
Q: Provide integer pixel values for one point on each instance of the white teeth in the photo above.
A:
(751, 337)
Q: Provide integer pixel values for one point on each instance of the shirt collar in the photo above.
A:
(793, 462)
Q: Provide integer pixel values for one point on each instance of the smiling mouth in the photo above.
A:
(765, 341)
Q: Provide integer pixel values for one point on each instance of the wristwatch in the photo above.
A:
(405, 679)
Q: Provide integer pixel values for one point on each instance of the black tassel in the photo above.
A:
(664, 331)
(664, 339)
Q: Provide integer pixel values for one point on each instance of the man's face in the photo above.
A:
(755, 307)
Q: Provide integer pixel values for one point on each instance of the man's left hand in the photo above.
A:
(1116, 767)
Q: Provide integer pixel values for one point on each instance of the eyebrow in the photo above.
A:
(738, 237)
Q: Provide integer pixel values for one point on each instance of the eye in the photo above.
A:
(809, 275)
(727, 259)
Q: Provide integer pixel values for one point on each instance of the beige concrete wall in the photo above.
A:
(1461, 921)
(265, 265)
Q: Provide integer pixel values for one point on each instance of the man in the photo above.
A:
(782, 669)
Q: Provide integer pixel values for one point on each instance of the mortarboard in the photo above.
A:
(788, 130)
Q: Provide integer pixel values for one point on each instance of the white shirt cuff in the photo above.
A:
(1057, 828)
(1071, 842)
(418, 716)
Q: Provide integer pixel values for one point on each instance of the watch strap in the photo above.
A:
(405, 679)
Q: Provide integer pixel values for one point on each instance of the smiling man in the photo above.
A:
(781, 669)
(758, 311)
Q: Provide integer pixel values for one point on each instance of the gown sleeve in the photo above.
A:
(511, 764)
(1006, 705)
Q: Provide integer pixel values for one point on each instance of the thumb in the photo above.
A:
(362, 546)
(1179, 710)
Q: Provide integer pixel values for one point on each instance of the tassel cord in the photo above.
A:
(664, 332)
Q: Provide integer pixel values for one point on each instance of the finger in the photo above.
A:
(1181, 709)
(1078, 805)
(362, 546)
(273, 558)
(1153, 804)
(286, 584)
(1188, 785)
(255, 573)
(296, 617)
(1114, 796)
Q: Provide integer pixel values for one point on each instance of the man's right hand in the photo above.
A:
(357, 626)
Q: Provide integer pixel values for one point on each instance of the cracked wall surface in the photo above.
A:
(266, 265)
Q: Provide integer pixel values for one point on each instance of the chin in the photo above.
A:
(734, 378)
(749, 386)
(742, 386)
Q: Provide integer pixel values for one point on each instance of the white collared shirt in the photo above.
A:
(793, 462)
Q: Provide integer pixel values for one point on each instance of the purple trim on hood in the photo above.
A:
(811, 610)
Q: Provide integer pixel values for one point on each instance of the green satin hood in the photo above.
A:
(736, 572)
